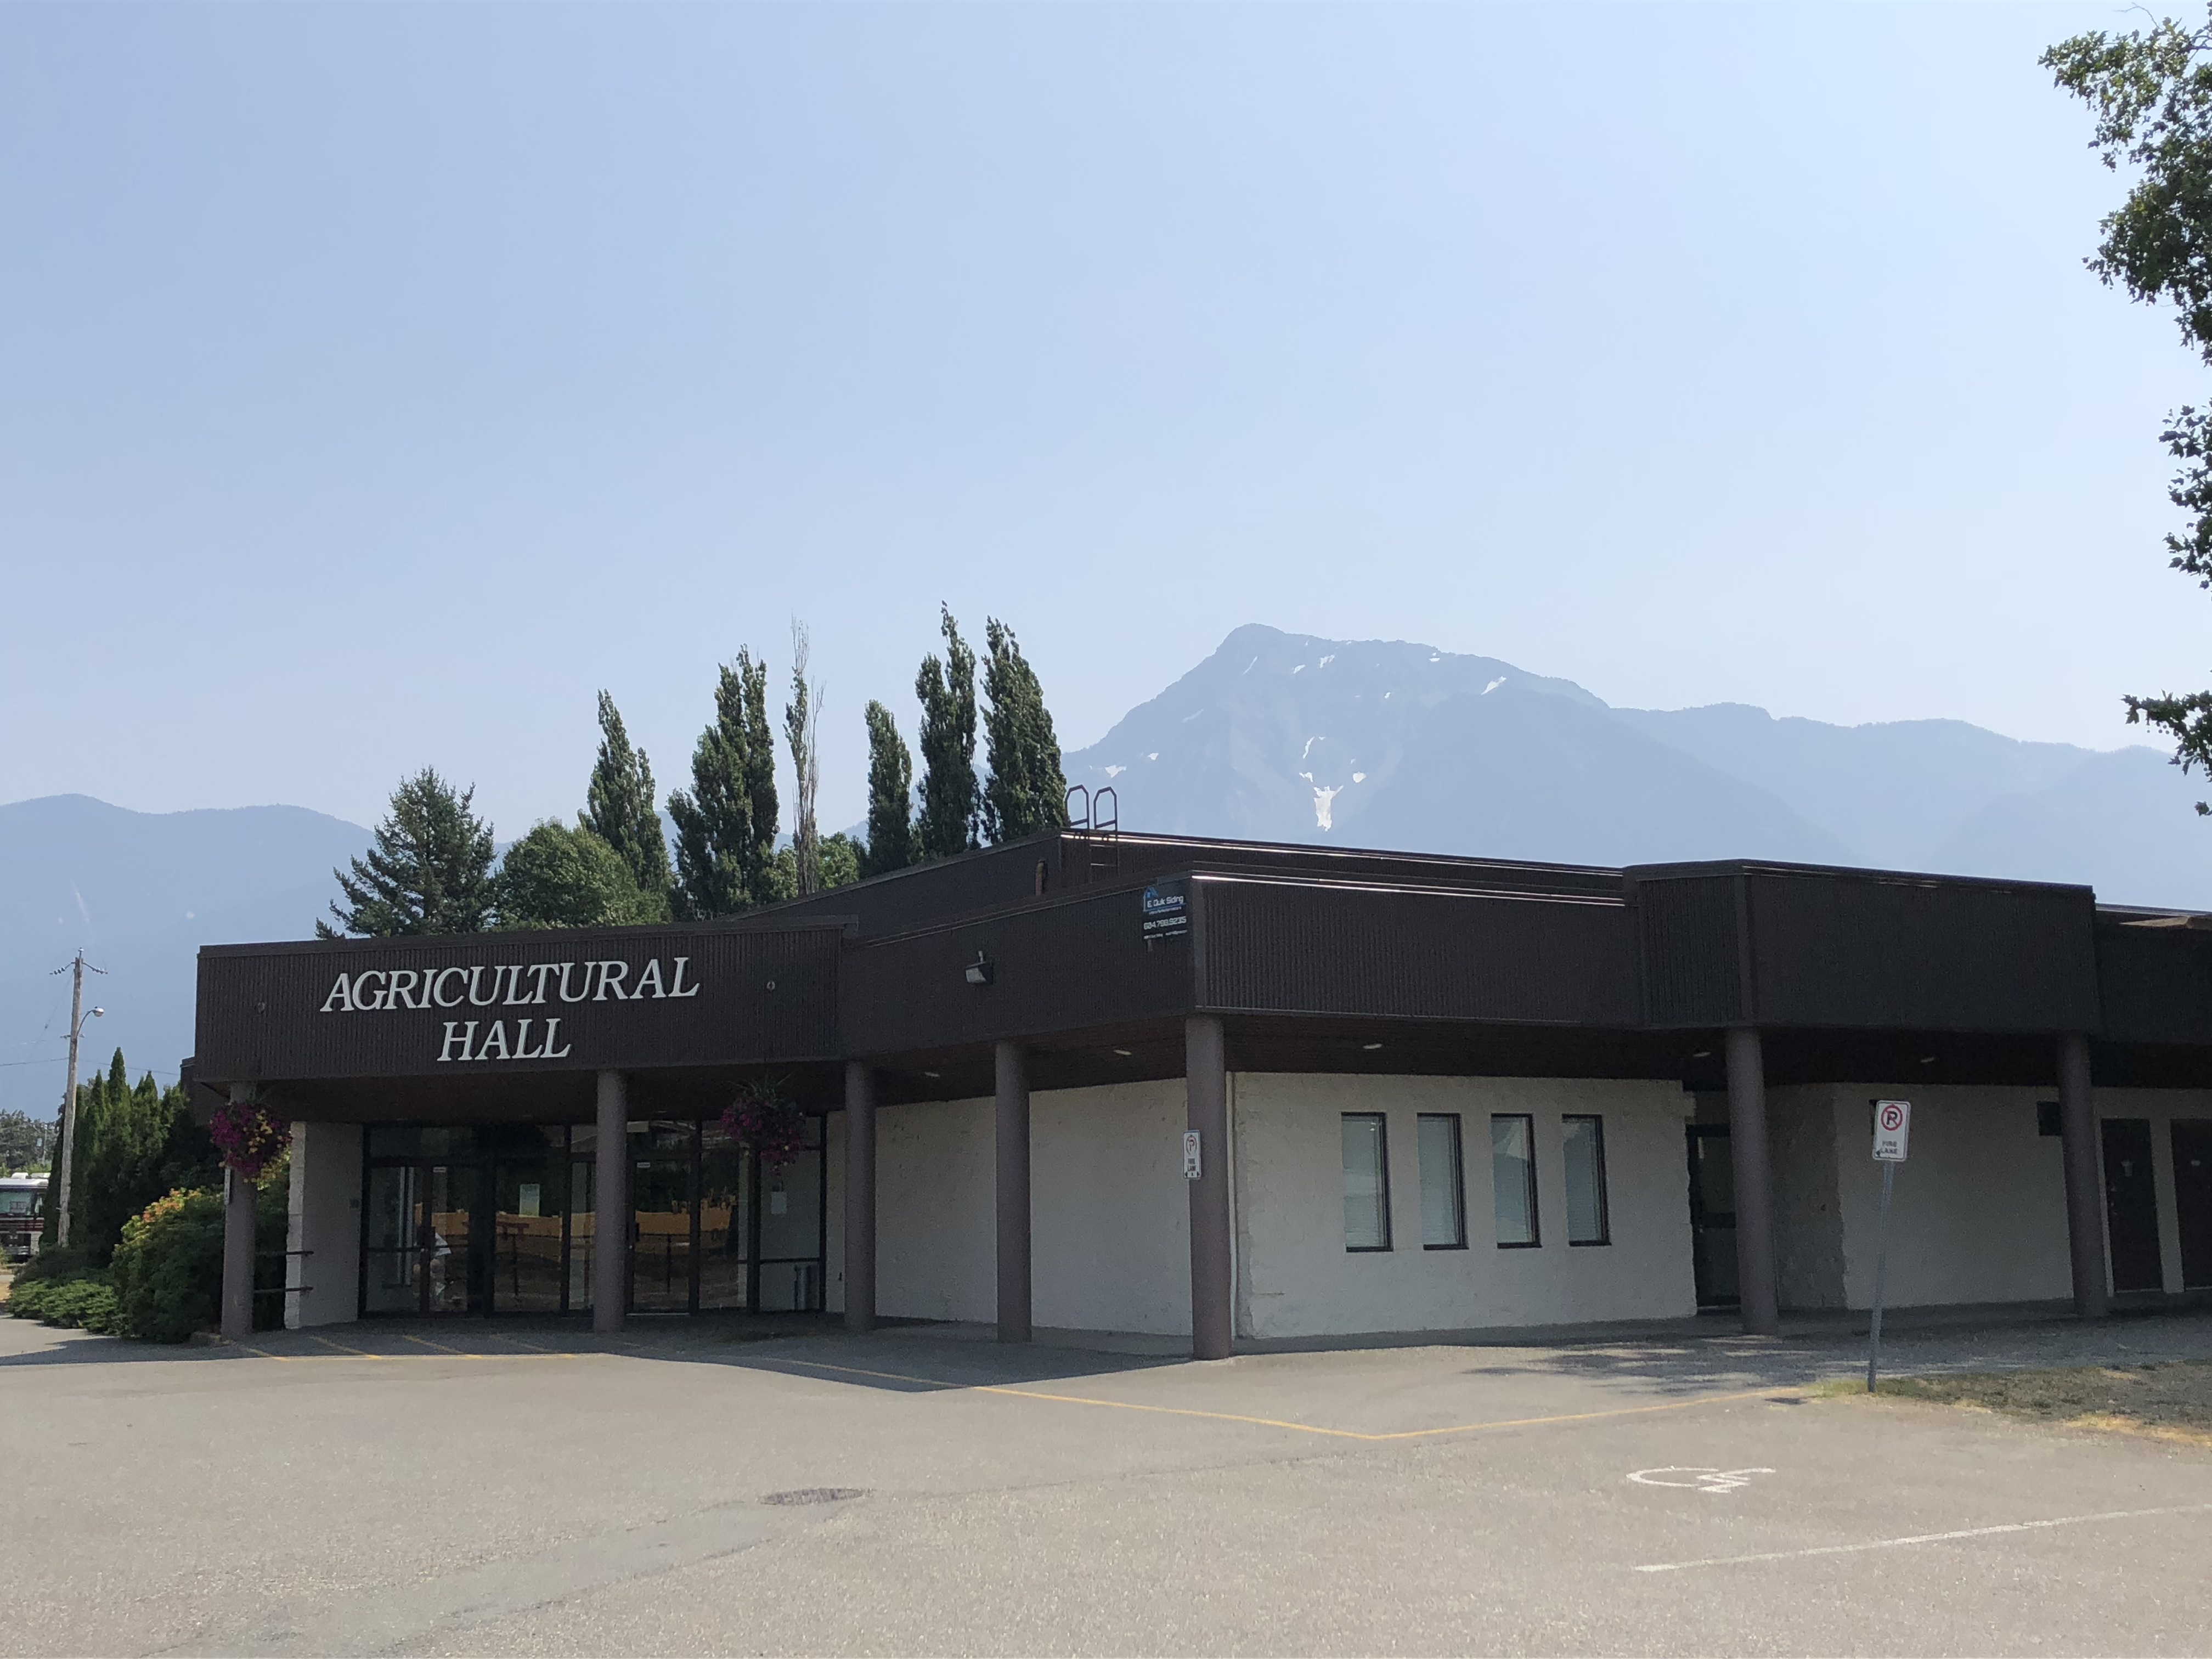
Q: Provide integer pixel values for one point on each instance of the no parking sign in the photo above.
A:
(1892, 1127)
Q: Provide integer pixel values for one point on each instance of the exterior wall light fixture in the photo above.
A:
(1124, 1052)
(980, 971)
(1371, 1047)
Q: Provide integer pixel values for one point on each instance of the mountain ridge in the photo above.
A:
(1509, 764)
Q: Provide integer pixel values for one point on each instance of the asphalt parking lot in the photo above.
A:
(502, 1490)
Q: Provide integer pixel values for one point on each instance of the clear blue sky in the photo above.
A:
(376, 383)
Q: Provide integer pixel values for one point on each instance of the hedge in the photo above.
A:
(166, 1281)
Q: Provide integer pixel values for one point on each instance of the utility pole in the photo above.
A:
(75, 970)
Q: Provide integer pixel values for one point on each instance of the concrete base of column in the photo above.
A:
(1012, 1067)
(1206, 1072)
(859, 1197)
(2085, 1208)
(610, 1216)
(1754, 1192)
(238, 1196)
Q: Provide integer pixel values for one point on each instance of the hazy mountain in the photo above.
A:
(1288, 737)
(140, 892)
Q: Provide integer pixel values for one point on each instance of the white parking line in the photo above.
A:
(1924, 1538)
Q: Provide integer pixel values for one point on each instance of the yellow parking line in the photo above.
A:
(1281, 1423)
(284, 1358)
(359, 1353)
(535, 1347)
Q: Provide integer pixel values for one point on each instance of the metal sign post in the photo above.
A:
(1893, 1129)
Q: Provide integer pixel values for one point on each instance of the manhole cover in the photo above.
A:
(814, 1495)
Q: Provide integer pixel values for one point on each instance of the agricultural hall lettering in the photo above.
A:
(503, 986)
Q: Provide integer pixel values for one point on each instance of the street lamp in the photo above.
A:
(69, 1123)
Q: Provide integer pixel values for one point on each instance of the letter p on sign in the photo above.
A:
(1892, 1127)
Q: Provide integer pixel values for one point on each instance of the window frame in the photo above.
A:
(1535, 1239)
(1382, 1122)
(1604, 1238)
(1458, 1173)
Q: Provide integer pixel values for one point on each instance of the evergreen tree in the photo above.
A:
(620, 807)
(890, 796)
(947, 820)
(135, 1143)
(557, 877)
(725, 825)
(1027, 791)
(427, 871)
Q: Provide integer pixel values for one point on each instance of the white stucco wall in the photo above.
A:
(1295, 1278)
(936, 1235)
(1980, 1210)
(1110, 1209)
(1111, 1234)
(1808, 1232)
(325, 1219)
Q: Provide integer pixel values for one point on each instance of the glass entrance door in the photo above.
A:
(529, 1207)
(488, 1218)
(1712, 1215)
(458, 1253)
(391, 1238)
(665, 1222)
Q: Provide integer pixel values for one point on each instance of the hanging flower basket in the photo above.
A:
(249, 1136)
(768, 1126)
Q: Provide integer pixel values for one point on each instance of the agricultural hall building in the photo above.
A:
(1238, 1093)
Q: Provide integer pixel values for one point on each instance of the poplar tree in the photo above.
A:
(725, 825)
(620, 804)
(946, 688)
(427, 870)
(801, 723)
(890, 796)
(1027, 791)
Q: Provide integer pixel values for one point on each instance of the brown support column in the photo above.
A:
(238, 1195)
(1754, 1194)
(2085, 1212)
(610, 1218)
(1206, 1081)
(1011, 1066)
(859, 1197)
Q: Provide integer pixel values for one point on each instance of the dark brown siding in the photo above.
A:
(1076, 962)
(1691, 949)
(1278, 947)
(2155, 984)
(1831, 949)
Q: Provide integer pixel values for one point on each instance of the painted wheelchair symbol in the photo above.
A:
(1705, 1481)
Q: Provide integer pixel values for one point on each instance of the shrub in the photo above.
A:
(169, 1268)
(88, 1301)
(53, 1262)
(166, 1281)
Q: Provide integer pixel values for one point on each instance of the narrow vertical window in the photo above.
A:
(1443, 1190)
(1366, 1182)
(1583, 1153)
(1513, 1174)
